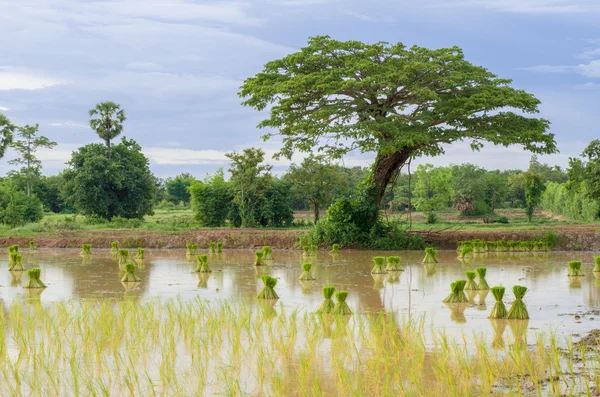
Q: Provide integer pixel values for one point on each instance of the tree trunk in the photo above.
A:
(316, 211)
(384, 169)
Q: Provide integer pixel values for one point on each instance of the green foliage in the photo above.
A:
(268, 291)
(430, 255)
(575, 269)
(570, 200)
(107, 120)
(211, 199)
(178, 188)
(314, 181)
(534, 187)
(499, 309)
(518, 311)
(471, 285)
(431, 218)
(432, 188)
(481, 272)
(119, 185)
(378, 265)
(7, 130)
(34, 279)
(306, 274)
(458, 293)
(341, 308)
(130, 276)
(258, 258)
(16, 208)
(327, 305)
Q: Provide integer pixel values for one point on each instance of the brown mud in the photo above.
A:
(569, 238)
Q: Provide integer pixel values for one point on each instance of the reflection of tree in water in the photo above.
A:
(457, 312)
(482, 294)
(519, 331)
(499, 325)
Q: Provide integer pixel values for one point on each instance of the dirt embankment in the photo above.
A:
(569, 238)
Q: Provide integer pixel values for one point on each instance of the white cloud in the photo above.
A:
(590, 54)
(13, 80)
(530, 6)
(67, 124)
(588, 86)
(3, 109)
(549, 68)
(591, 69)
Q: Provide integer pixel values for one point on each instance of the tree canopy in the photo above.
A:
(6, 133)
(107, 121)
(396, 101)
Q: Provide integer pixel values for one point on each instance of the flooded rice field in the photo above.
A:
(181, 333)
(556, 302)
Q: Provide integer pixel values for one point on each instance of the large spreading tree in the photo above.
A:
(397, 102)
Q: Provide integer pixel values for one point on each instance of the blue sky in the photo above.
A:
(176, 66)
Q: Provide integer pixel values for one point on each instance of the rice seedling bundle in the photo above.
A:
(268, 291)
(211, 248)
(378, 267)
(575, 269)
(32, 246)
(341, 307)
(490, 246)
(114, 247)
(499, 309)
(188, 249)
(501, 246)
(86, 249)
(471, 285)
(123, 257)
(597, 264)
(130, 276)
(459, 245)
(327, 305)
(306, 274)
(478, 247)
(140, 253)
(430, 255)
(518, 311)
(258, 257)
(219, 247)
(194, 249)
(511, 244)
(335, 248)
(16, 262)
(481, 272)
(458, 293)
(202, 266)
(393, 264)
(466, 250)
(314, 249)
(306, 250)
(34, 279)
(268, 253)
(13, 248)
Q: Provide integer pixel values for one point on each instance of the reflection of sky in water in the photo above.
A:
(169, 273)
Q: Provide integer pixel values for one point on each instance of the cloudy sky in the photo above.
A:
(176, 66)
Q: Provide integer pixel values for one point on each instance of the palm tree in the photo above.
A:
(109, 123)
(6, 134)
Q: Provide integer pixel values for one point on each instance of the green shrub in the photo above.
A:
(118, 222)
(432, 218)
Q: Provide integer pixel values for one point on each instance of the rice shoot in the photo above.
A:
(32, 246)
(268, 291)
(219, 247)
(393, 264)
(327, 305)
(378, 267)
(458, 293)
(467, 249)
(268, 253)
(341, 307)
(114, 247)
(258, 257)
(481, 272)
(140, 253)
(34, 279)
(471, 285)
(597, 264)
(16, 262)
(211, 248)
(518, 311)
(305, 250)
(575, 269)
(335, 248)
(314, 249)
(203, 264)
(430, 255)
(306, 274)
(86, 249)
(499, 309)
(130, 276)
(123, 257)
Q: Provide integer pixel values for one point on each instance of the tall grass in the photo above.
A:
(183, 348)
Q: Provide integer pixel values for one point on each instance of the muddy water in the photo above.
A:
(553, 299)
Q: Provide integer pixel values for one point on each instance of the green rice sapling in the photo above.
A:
(306, 250)
(306, 274)
(202, 266)
(32, 246)
(34, 279)
(471, 285)
(393, 264)
(518, 311)
(335, 248)
(211, 249)
(458, 293)
(86, 249)
(268, 291)
(575, 269)
(327, 304)
(430, 255)
(268, 253)
(130, 276)
(597, 264)
(114, 247)
(258, 258)
(140, 253)
(219, 247)
(481, 272)
(314, 249)
(499, 309)
(378, 267)
(341, 307)
(16, 262)
(123, 257)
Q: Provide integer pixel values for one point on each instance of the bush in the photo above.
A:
(500, 219)
(432, 218)
(481, 208)
(95, 220)
(118, 222)
(166, 205)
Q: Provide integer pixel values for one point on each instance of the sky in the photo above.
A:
(176, 67)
